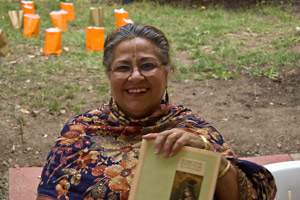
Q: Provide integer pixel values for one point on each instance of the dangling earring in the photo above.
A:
(111, 102)
(167, 96)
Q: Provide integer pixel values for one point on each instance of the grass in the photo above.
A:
(215, 42)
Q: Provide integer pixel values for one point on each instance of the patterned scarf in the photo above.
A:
(96, 153)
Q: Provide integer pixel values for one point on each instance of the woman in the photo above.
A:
(97, 152)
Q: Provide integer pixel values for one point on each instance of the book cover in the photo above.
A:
(190, 175)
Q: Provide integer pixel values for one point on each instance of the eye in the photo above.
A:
(148, 66)
(122, 68)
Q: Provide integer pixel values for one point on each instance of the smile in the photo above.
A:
(137, 91)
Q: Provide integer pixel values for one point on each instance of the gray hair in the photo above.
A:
(131, 31)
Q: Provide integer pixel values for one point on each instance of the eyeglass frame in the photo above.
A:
(157, 66)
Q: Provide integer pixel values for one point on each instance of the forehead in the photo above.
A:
(135, 48)
(138, 42)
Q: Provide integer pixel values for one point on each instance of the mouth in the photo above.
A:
(137, 91)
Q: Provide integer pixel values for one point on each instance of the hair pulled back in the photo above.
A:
(131, 31)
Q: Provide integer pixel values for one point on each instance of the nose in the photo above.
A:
(136, 74)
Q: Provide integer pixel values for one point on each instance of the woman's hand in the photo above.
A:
(172, 140)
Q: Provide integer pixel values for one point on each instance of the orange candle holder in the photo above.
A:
(69, 7)
(53, 41)
(94, 38)
(59, 19)
(120, 15)
(31, 25)
(28, 7)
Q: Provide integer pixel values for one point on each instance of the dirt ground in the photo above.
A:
(257, 116)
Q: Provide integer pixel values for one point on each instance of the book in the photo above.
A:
(191, 174)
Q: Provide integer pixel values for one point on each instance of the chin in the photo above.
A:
(138, 110)
(138, 113)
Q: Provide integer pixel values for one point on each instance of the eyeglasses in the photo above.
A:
(125, 71)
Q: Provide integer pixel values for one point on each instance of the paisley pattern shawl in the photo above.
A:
(96, 154)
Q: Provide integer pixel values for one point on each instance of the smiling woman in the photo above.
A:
(96, 154)
(138, 82)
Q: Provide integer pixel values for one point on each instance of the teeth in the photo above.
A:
(138, 90)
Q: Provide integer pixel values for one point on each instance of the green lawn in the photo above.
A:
(206, 43)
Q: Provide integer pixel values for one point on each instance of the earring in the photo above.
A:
(167, 96)
(110, 102)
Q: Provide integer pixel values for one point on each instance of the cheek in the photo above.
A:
(165, 77)
(161, 84)
(114, 86)
(165, 80)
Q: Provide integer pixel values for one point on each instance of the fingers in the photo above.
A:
(177, 146)
(163, 139)
(160, 140)
(187, 139)
(150, 136)
(171, 141)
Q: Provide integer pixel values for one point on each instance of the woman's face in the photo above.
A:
(137, 96)
(187, 192)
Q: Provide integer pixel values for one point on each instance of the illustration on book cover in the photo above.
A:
(188, 179)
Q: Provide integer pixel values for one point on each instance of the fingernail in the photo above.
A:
(165, 155)
(156, 150)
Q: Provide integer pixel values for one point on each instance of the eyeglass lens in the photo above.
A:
(125, 71)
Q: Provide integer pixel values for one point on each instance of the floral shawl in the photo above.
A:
(96, 154)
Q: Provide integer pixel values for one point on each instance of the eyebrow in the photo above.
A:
(141, 60)
(147, 58)
(123, 62)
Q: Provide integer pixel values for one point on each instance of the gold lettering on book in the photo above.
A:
(192, 166)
